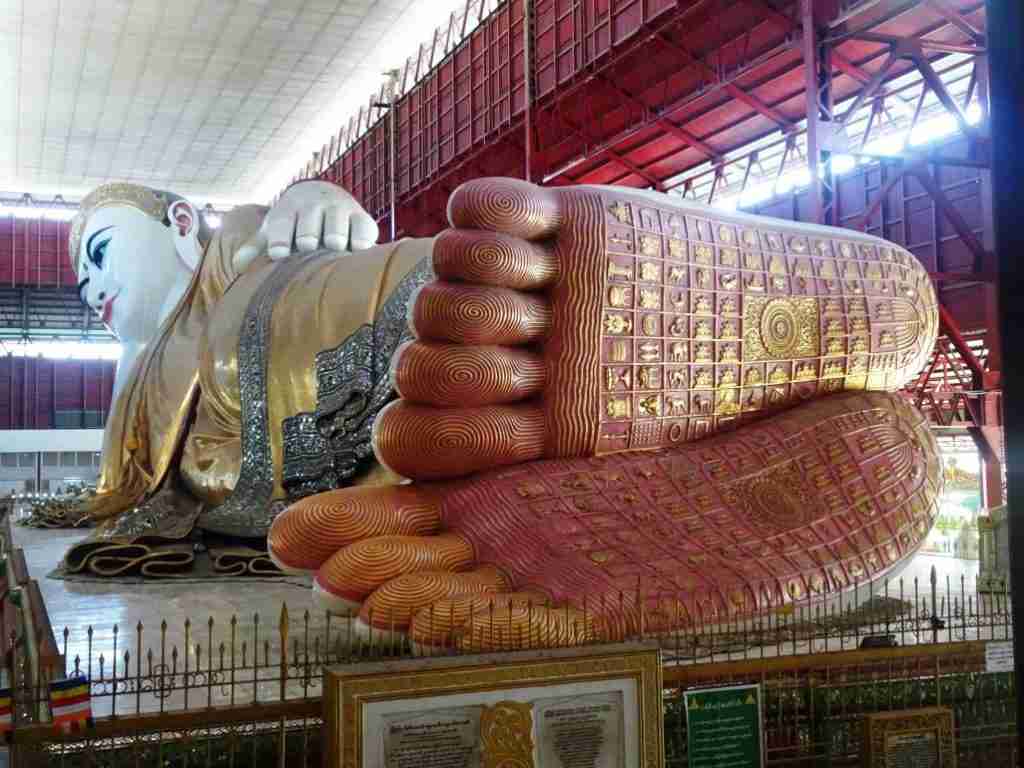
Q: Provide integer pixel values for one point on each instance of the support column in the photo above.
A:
(528, 89)
(820, 124)
(991, 483)
(1005, 29)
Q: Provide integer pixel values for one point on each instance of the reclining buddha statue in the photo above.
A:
(608, 408)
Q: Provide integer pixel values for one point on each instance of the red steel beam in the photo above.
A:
(935, 45)
(756, 104)
(953, 216)
(636, 169)
(956, 19)
(956, 337)
(685, 136)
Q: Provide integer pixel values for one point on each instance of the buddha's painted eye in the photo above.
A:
(95, 249)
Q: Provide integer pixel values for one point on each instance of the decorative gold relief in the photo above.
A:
(619, 408)
(676, 248)
(782, 328)
(614, 378)
(729, 330)
(617, 324)
(676, 406)
(649, 352)
(650, 271)
(506, 735)
(702, 305)
(727, 378)
(678, 352)
(752, 377)
(676, 274)
(777, 375)
(650, 325)
(648, 378)
(678, 327)
(618, 352)
(702, 379)
(702, 254)
(728, 354)
(617, 270)
(677, 378)
(619, 296)
(650, 406)
(728, 257)
(702, 330)
(804, 372)
(702, 353)
(650, 298)
(621, 212)
(648, 245)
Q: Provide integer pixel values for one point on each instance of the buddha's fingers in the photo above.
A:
(433, 443)
(305, 535)
(452, 375)
(349, 576)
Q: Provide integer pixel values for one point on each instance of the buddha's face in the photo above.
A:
(127, 267)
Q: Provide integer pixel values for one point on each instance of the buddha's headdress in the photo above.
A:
(152, 202)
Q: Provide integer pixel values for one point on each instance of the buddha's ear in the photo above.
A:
(184, 219)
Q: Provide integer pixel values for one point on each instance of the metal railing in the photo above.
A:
(257, 659)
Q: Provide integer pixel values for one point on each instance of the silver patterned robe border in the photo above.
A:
(326, 449)
(250, 509)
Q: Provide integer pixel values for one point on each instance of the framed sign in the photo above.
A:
(910, 738)
(724, 727)
(597, 707)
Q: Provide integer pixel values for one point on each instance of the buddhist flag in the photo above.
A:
(6, 713)
(70, 704)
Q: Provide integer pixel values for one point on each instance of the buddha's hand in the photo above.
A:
(310, 215)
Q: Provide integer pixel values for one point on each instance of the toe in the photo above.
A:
(350, 575)
(482, 623)
(469, 314)
(391, 606)
(451, 375)
(512, 206)
(493, 258)
(426, 443)
(305, 535)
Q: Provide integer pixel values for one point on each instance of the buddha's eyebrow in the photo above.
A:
(88, 244)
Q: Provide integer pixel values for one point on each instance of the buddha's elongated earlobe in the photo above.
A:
(184, 221)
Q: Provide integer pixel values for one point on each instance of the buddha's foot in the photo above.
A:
(794, 508)
(581, 321)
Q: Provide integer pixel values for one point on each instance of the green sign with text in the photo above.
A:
(723, 727)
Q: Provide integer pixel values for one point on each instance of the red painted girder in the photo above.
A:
(954, 17)
(634, 168)
(952, 329)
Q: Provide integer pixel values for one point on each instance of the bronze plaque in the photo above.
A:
(910, 738)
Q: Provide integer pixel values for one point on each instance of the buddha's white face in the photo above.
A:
(128, 266)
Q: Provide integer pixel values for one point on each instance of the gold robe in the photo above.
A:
(179, 416)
